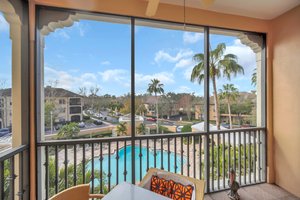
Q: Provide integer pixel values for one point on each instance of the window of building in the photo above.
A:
(62, 101)
(75, 101)
(75, 110)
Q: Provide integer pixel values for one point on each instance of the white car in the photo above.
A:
(81, 124)
(178, 129)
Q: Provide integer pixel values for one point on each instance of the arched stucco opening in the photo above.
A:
(10, 14)
(16, 16)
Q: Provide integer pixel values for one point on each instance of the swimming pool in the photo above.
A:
(113, 163)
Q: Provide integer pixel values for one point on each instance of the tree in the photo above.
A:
(141, 129)
(254, 78)
(155, 87)
(68, 131)
(126, 109)
(70, 177)
(229, 93)
(219, 65)
(93, 95)
(50, 110)
(82, 91)
(121, 129)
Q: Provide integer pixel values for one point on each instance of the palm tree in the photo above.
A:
(121, 129)
(229, 93)
(219, 65)
(141, 129)
(155, 87)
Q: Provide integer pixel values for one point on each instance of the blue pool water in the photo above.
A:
(113, 163)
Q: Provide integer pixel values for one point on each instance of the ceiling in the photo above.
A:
(262, 9)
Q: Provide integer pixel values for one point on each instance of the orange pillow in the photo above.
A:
(171, 189)
(159, 185)
(181, 192)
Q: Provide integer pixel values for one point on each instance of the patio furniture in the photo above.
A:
(127, 191)
(79, 192)
(198, 192)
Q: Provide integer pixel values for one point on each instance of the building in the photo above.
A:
(5, 108)
(224, 117)
(127, 120)
(68, 106)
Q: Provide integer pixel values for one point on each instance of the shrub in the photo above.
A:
(68, 131)
(186, 128)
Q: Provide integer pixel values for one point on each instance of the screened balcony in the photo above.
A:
(130, 92)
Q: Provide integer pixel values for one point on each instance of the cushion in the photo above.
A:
(177, 179)
(171, 189)
(181, 192)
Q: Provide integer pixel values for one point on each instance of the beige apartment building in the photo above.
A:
(5, 108)
(67, 105)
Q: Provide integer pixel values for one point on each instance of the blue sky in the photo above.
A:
(5, 54)
(91, 53)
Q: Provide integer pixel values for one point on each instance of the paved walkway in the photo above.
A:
(256, 192)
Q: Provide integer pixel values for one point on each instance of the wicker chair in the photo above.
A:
(79, 192)
(198, 184)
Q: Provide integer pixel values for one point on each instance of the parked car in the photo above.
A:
(225, 125)
(98, 122)
(178, 129)
(4, 131)
(151, 119)
(81, 125)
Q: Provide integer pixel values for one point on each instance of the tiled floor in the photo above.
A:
(256, 192)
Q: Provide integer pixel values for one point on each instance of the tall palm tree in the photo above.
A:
(229, 93)
(219, 65)
(121, 129)
(155, 87)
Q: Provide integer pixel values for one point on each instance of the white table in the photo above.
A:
(127, 191)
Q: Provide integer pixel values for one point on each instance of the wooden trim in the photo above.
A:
(32, 99)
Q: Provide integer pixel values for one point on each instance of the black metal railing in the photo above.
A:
(13, 174)
(105, 162)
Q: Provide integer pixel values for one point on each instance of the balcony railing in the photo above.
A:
(106, 162)
(13, 174)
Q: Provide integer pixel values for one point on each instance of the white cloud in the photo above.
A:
(164, 77)
(74, 70)
(89, 76)
(191, 38)
(163, 55)
(68, 81)
(4, 26)
(187, 73)
(118, 75)
(184, 63)
(106, 62)
(62, 33)
(246, 57)
(80, 28)
(66, 32)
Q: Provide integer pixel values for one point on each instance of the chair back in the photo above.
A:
(199, 184)
(79, 192)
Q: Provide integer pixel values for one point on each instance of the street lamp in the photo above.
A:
(51, 121)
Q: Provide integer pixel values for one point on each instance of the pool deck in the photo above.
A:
(256, 192)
